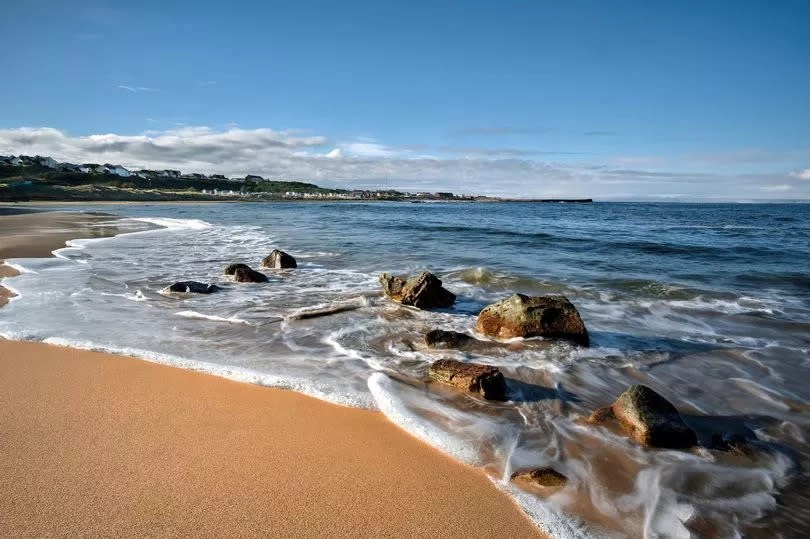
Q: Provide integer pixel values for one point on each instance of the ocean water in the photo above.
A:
(708, 304)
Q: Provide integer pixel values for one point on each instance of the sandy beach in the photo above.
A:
(96, 444)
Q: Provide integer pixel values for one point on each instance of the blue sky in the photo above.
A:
(623, 100)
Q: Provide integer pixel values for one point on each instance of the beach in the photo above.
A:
(315, 388)
(97, 444)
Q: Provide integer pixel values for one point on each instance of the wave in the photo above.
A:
(173, 223)
(214, 318)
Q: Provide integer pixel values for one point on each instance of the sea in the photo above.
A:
(708, 304)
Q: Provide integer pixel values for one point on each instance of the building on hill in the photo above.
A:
(47, 162)
(170, 173)
(118, 170)
(253, 178)
(92, 168)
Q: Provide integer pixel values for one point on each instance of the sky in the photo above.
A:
(621, 100)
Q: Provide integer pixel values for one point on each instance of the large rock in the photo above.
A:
(439, 338)
(279, 260)
(543, 477)
(533, 316)
(423, 291)
(248, 275)
(230, 269)
(191, 287)
(652, 420)
(485, 380)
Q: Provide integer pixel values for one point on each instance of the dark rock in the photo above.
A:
(231, 268)
(192, 287)
(325, 311)
(438, 338)
(248, 275)
(485, 380)
(423, 291)
(533, 316)
(279, 260)
(544, 477)
(652, 420)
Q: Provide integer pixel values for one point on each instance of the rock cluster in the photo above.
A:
(423, 291)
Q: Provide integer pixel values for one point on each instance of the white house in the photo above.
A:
(118, 170)
(46, 162)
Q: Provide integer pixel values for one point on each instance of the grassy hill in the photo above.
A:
(33, 182)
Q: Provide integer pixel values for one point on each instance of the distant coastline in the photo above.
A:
(43, 179)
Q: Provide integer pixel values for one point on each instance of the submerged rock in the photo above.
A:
(191, 287)
(486, 380)
(439, 338)
(533, 316)
(230, 269)
(249, 275)
(651, 420)
(544, 477)
(279, 260)
(423, 291)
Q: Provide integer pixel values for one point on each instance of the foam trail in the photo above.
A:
(173, 223)
(215, 318)
(395, 409)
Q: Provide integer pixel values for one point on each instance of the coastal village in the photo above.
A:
(23, 169)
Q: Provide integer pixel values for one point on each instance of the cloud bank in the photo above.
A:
(364, 163)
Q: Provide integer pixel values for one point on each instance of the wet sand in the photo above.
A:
(96, 444)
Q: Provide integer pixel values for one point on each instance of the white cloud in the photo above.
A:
(801, 174)
(295, 154)
(777, 187)
(368, 149)
(135, 89)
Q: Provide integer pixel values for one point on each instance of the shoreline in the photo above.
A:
(98, 444)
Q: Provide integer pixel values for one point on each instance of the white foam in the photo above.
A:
(394, 408)
(215, 318)
(18, 267)
(173, 223)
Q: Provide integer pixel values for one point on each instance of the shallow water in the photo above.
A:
(708, 304)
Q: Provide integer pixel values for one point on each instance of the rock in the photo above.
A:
(325, 311)
(279, 260)
(485, 380)
(651, 420)
(438, 338)
(248, 275)
(533, 316)
(423, 291)
(544, 477)
(605, 413)
(230, 269)
(191, 287)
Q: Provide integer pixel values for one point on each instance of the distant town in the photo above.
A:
(24, 177)
(38, 178)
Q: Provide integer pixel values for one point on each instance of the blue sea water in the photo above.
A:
(707, 303)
